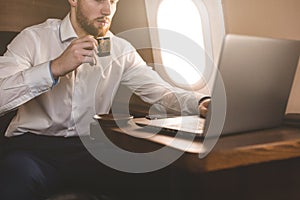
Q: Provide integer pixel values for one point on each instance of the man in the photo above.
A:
(52, 74)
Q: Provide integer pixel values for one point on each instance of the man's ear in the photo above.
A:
(73, 2)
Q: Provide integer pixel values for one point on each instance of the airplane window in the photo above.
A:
(187, 40)
(182, 18)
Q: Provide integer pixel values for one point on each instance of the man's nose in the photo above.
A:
(106, 9)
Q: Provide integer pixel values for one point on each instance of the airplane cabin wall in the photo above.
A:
(15, 15)
(131, 15)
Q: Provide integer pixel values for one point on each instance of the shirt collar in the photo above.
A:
(66, 29)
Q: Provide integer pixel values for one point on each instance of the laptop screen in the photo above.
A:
(251, 88)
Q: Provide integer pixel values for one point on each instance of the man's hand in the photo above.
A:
(81, 50)
(203, 107)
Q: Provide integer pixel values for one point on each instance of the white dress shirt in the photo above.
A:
(66, 108)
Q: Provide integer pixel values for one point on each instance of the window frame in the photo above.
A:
(212, 41)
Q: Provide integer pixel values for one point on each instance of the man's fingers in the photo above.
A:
(88, 44)
(203, 111)
(90, 56)
(95, 52)
(89, 41)
(203, 107)
(90, 60)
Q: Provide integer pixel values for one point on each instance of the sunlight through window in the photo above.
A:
(182, 17)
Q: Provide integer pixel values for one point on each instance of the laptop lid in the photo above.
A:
(257, 74)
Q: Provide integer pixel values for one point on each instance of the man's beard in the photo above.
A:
(88, 26)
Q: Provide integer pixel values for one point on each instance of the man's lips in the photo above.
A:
(103, 21)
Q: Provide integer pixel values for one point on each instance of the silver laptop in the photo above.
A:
(257, 74)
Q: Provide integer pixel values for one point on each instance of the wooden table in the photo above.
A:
(255, 165)
(248, 149)
(229, 152)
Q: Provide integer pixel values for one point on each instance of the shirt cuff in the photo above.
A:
(203, 98)
(38, 78)
(55, 81)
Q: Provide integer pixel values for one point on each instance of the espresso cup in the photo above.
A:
(103, 46)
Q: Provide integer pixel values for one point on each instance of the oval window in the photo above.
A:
(181, 17)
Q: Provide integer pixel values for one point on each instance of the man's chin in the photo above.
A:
(102, 31)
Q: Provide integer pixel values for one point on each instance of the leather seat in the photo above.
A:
(5, 39)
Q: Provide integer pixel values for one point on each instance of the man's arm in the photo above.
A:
(21, 80)
(147, 84)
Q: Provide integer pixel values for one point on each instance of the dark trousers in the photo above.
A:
(36, 167)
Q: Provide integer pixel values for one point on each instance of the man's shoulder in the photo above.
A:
(49, 24)
(35, 33)
(120, 42)
(118, 39)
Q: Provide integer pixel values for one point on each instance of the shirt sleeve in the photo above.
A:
(20, 81)
(147, 84)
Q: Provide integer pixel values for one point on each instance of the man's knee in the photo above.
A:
(22, 172)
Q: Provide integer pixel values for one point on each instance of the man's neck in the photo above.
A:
(77, 28)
